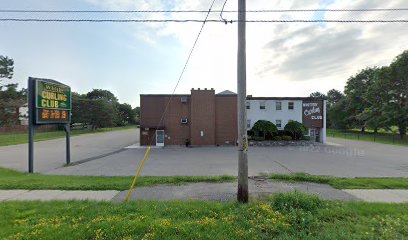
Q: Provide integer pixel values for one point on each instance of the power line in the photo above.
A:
(184, 68)
(203, 11)
(204, 21)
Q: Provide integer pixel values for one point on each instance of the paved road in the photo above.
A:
(51, 154)
(344, 158)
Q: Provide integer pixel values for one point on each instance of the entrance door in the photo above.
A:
(160, 138)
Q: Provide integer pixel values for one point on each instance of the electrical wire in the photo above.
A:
(203, 21)
(184, 68)
(203, 11)
(222, 10)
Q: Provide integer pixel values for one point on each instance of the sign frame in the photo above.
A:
(34, 121)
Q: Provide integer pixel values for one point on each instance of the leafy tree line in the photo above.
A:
(376, 97)
(98, 108)
(268, 130)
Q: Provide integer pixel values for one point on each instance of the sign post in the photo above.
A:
(49, 102)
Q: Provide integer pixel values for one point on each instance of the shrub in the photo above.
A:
(262, 128)
(286, 138)
(295, 129)
(277, 138)
(306, 138)
(287, 202)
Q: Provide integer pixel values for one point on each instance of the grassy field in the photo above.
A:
(22, 137)
(370, 136)
(346, 183)
(285, 216)
(10, 179)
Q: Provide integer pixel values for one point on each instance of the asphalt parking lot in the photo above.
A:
(106, 154)
(343, 158)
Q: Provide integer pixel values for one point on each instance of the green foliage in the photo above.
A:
(318, 95)
(287, 202)
(295, 129)
(203, 220)
(264, 128)
(286, 138)
(6, 67)
(97, 94)
(346, 183)
(277, 138)
(10, 179)
(11, 100)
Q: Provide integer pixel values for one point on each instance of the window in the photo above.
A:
(278, 123)
(184, 120)
(291, 106)
(262, 105)
(248, 105)
(278, 105)
(183, 99)
(248, 123)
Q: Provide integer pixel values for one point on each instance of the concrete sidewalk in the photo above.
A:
(49, 195)
(210, 192)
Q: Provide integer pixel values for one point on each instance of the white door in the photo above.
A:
(160, 138)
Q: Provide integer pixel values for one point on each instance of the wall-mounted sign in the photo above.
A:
(312, 113)
(52, 102)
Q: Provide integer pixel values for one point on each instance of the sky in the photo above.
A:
(129, 59)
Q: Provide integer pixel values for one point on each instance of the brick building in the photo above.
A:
(201, 118)
(206, 118)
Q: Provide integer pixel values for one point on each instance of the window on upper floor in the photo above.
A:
(262, 105)
(278, 123)
(248, 123)
(291, 106)
(278, 105)
(248, 105)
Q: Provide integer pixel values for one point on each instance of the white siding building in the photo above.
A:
(281, 110)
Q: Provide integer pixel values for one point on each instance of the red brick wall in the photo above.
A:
(202, 117)
(175, 132)
(226, 125)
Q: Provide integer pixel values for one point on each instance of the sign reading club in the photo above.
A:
(52, 102)
(312, 113)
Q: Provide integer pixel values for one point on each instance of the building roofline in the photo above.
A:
(285, 98)
(165, 95)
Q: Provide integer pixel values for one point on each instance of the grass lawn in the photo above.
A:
(10, 179)
(346, 183)
(22, 137)
(381, 137)
(285, 216)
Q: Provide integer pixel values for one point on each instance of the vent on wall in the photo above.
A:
(183, 99)
(184, 120)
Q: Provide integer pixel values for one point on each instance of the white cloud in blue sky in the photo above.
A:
(130, 59)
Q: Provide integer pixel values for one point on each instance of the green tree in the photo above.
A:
(397, 106)
(126, 114)
(11, 99)
(262, 128)
(101, 94)
(356, 87)
(136, 110)
(102, 114)
(333, 97)
(6, 67)
(295, 129)
(337, 116)
(318, 95)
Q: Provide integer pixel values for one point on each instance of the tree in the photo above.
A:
(397, 106)
(11, 100)
(102, 114)
(356, 87)
(337, 116)
(333, 97)
(264, 128)
(136, 110)
(317, 95)
(6, 67)
(101, 94)
(126, 114)
(295, 129)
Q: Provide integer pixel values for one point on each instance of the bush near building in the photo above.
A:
(295, 129)
(265, 129)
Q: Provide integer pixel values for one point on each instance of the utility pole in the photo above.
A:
(242, 130)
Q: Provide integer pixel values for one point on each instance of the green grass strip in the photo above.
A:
(285, 216)
(7, 139)
(346, 183)
(10, 179)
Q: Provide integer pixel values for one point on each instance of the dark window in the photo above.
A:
(291, 106)
(262, 105)
(278, 105)
(248, 105)
(279, 123)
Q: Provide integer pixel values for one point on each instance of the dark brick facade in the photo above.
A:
(211, 118)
